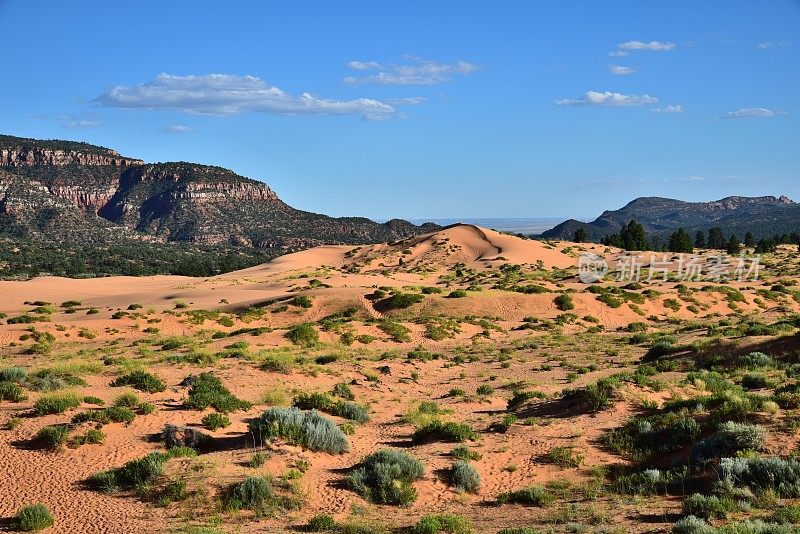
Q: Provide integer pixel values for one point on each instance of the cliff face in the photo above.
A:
(19, 156)
(91, 186)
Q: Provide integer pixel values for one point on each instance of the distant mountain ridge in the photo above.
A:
(763, 216)
(65, 191)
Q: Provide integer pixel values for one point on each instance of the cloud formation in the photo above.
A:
(607, 99)
(672, 108)
(652, 46)
(745, 113)
(227, 94)
(177, 129)
(619, 70)
(417, 72)
(68, 120)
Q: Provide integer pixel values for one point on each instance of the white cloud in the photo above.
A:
(764, 45)
(417, 72)
(75, 121)
(672, 108)
(619, 70)
(652, 46)
(608, 99)
(227, 94)
(618, 53)
(177, 128)
(744, 113)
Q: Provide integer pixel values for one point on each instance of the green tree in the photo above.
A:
(733, 247)
(716, 239)
(700, 240)
(680, 242)
(580, 235)
(633, 236)
(749, 240)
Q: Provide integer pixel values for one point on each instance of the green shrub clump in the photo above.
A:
(447, 523)
(436, 430)
(303, 334)
(464, 477)
(564, 302)
(215, 421)
(532, 496)
(141, 380)
(208, 391)
(307, 428)
(56, 403)
(33, 517)
(387, 477)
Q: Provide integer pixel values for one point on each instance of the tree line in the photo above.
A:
(632, 236)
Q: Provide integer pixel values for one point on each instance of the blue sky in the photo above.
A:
(424, 109)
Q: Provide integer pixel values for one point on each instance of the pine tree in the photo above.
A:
(680, 242)
(716, 239)
(749, 240)
(580, 235)
(733, 247)
(700, 240)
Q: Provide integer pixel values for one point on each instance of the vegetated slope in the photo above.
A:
(75, 194)
(764, 216)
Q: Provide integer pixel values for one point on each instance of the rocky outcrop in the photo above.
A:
(176, 201)
(29, 156)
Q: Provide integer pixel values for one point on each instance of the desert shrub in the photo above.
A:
(11, 392)
(564, 302)
(457, 294)
(756, 381)
(307, 428)
(462, 452)
(321, 523)
(597, 396)
(325, 359)
(400, 300)
(56, 403)
(787, 514)
(443, 523)
(754, 360)
(112, 414)
(565, 457)
(256, 494)
(52, 380)
(52, 437)
(707, 506)
(342, 390)
(464, 477)
(661, 347)
(323, 402)
(13, 374)
(395, 330)
(692, 525)
(208, 391)
(182, 437)
(277, 363)
(33, 517)
(128, 399)
(215, 421)
(141, 380)
(520, 530)
(303, 334)
(302, 301)
(484, 389)
(436, 430)
(93, 436)
(532, 496)
(730, 438)
(518, 398)
(137, 473)
(387, 477)
(781, 476)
